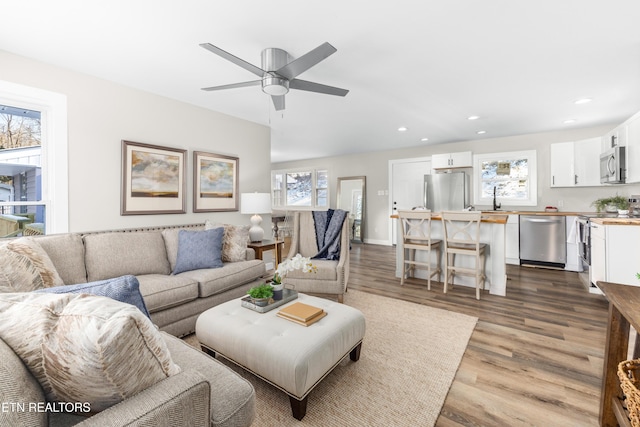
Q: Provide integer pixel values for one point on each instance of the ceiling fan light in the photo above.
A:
(275, 86)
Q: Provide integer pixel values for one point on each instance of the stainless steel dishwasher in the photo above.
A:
(543, 240)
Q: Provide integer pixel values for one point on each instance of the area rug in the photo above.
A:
(410, 355)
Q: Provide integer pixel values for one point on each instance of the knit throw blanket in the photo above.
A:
(328, 226)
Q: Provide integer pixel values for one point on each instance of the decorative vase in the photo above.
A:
(277, 291)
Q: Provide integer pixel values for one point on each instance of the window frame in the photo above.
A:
(54, 163)
(279, 195)
(532, 178)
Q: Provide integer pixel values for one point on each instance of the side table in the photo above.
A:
(624, 301)
(268, 245)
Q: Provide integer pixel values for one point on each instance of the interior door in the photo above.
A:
(407, 186)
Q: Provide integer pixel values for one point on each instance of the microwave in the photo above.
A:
(612, 166)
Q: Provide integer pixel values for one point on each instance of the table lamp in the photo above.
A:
(255, 204)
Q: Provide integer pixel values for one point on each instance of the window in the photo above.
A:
(33, 160)
(300, 188)
(511, 175)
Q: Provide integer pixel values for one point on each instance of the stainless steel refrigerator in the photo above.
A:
(446, 191)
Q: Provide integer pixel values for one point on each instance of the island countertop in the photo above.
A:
(493, 218)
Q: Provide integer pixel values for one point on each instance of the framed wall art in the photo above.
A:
(215, 182)
(153, 179)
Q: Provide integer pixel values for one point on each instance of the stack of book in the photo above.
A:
(303, 314)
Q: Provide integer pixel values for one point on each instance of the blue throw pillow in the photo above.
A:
(124, 289)
(199, 249)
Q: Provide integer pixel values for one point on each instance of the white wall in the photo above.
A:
(374, 165)
(102, 113)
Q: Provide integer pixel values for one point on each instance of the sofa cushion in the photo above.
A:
(232, 397)
(66, 251)
(161, 291)
(233, 274)
(28, 247)
(18, 387)
(117, 254)
(124, 289)
(199, 249)
(170, 236)
(326, 270)
(234, 243)
(84, 348)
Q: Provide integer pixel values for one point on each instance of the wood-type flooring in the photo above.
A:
(535, 357)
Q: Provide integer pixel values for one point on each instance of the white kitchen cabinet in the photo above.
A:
(598, 268)
(575, 163)
(586, 162)
(573, 262)
(561, 164)
(613, 258)
(463, 159)
(633, 149)
(615, 137)
(512, 240)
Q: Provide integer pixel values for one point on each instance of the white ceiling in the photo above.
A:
(426, 65)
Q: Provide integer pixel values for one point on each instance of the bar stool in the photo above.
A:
(462, 237)
(416, 236)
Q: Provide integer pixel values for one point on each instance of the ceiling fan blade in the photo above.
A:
(229, 57)
(233, 85)
(278, 102)
(306, 61)
(317, 87)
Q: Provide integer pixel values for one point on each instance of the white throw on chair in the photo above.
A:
(416, 236)
(462, 237)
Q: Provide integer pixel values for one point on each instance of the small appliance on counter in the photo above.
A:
(634, 205)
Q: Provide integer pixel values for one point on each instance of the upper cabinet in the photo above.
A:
(576, 163)
(615, 137)
(633, 149)
(463, 159)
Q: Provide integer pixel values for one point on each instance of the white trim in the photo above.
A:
(532, 180)
(55, 167)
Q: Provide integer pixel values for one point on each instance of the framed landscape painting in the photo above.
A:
(215, 182)
(153, 179)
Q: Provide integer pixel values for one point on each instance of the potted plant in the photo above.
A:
(261, 294)
(296, 263)
(612, 204)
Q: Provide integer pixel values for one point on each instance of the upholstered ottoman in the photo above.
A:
(292, 357)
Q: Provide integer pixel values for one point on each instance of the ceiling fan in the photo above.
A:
(278, 73)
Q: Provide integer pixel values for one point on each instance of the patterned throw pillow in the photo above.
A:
(84, 348)
(199, 249)
(25, 266)
(234, 244)
(123, 289)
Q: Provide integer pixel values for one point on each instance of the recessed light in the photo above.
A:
(481, 132)
(473, 117)
(424, 139)
(402, 129)
(583, 101)
(569, 121)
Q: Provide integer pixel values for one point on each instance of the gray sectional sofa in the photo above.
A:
(205, 392)
(174, 301)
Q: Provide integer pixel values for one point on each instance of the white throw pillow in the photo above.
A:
(84, 348)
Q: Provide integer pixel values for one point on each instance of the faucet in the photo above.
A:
(496, 206)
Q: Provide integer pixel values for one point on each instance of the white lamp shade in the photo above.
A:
(255, 204)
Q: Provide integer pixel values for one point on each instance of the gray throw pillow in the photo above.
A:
(199, 249)
(123, 289)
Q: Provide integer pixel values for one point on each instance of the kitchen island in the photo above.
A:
(492, 232)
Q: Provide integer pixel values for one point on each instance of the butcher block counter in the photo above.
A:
(620, 220)
(492, 232)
